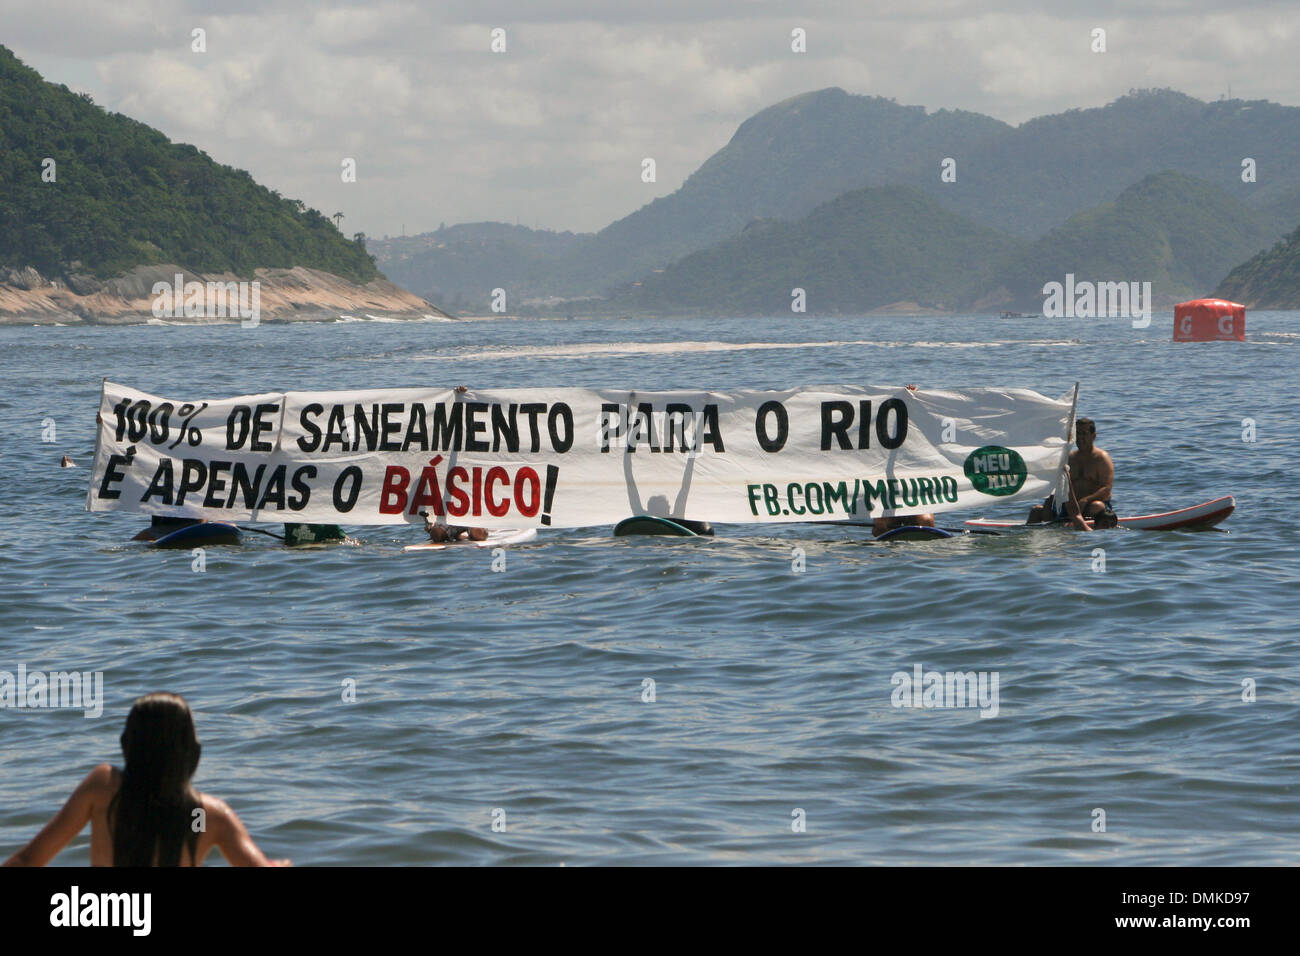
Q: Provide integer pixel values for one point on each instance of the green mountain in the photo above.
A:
(123, 195)
(1173, 230)
(1269, 280)
(863, 250)
(1024, 180)
(1036, 175)
(781, 163)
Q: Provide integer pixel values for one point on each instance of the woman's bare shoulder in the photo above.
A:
(100, 786)
(103, 778)
(216, 810)
(228, 833)
(212, 804)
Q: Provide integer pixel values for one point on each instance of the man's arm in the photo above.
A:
(68, 822)
(1076, 516)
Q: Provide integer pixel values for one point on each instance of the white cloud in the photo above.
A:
(553, 131)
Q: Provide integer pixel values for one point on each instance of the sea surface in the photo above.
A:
(1162, 691)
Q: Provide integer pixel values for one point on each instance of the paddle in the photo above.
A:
(1077, 520)
(860, 524)
(269, 534)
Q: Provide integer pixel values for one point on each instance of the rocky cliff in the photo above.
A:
(154, 292)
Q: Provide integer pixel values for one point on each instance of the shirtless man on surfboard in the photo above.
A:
(1092, 479)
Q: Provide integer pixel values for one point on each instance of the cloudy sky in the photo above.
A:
(552, 132)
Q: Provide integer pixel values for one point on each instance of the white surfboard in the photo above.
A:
(495, 539)
(1205, 515)
(507, 536)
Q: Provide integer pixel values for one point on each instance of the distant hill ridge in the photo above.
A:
(1178, 232)
(880, 247)
(789, 158)
(460, 265)
(1269, 280)
(861, 251)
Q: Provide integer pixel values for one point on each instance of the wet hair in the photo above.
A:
(152, 813)
(1085, 421)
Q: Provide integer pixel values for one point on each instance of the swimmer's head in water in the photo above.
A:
(152, 811)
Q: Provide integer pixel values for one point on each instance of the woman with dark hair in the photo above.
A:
(148, 814)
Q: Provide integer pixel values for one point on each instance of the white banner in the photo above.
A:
(572, 457)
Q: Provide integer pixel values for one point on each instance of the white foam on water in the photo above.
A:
(587, 349)
(1267, 336)
(389, 319)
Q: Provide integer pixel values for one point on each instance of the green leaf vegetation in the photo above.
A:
(1270, 280)
(126, 196)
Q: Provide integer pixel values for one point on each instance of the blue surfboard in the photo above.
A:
(649, 524)
(914, 532)
(199, 536)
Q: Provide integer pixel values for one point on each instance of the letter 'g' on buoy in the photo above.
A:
(1209, 320)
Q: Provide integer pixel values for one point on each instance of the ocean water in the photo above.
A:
(518, 696)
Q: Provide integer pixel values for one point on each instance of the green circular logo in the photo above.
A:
(994, 470)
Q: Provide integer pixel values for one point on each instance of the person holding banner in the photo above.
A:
(301, 535)
(880, 525)
(450, 533)
(447, 533)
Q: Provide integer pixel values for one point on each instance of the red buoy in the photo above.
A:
(1209, 320)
